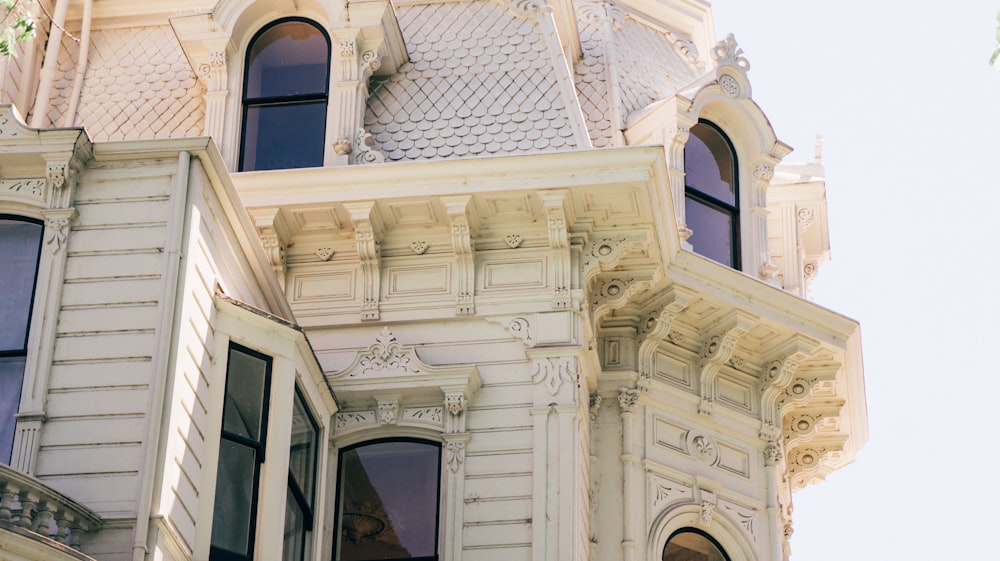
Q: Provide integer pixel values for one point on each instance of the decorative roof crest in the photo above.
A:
(727, 52)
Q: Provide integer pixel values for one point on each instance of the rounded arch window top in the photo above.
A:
(689, 544)
(710, 163)
(288, 58)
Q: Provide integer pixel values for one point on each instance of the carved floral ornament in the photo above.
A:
(391, 383)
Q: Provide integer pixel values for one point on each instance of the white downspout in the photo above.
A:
(81, 65)
(175, 238)
(41, 107)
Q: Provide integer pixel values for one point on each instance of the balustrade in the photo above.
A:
(30, 504)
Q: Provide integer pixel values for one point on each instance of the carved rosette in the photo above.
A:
(455, 403)
(388, 411)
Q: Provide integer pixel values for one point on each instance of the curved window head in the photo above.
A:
(711, 190)
(285, 96)
(387, 501)
(688, 544)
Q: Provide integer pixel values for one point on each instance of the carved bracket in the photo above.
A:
(717, 349)
(367, 232)
(606, 252)
(462, 232)
(554, 202)
(655, 326)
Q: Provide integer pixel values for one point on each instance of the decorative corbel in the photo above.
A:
(456, 401)
(60, 178)
(367, 231)
(274, 236)
(551, 372)
(717, 349)
(387, 407)
(554, 202)
(604, 253)
(462, 231)
(777, 374)
(655, 326)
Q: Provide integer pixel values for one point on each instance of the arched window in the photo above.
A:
(388, 493)
(689, 544)
(20, 245)
(711, 199)
(285, 91)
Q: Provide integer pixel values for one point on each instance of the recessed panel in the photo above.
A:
(330, 286)
(672, 371)
(527, 273)
(734, 460)
(404, 281)
(670, 435)
(735, 393)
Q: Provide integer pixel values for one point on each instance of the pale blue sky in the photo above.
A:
(909, 109)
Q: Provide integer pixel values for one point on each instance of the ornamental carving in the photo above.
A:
(324, 253)
(599, 13)
(772, 453)
(729, 86)
(31, 186)
(372, 60)
(342, 146)
(58, 230)
(595, 405)
(424, 415)
(552, 372)
(707, 512)
(685, 45)
(455, 403)
(388, 411)
(347, 48)
(386, 354)
(419, 247)
(365, 153)
(805, 217)
(666, 491)
(521, 328)
(456, 454)
(351, 418)
(704, 448)
(627, 399)
(513, 241)
(728, 52)
(763, 172)
(526, 8)
(56, 175)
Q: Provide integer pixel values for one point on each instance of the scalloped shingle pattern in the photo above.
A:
(138, 85)
(650, 67)
(592, 88)
(479, 82)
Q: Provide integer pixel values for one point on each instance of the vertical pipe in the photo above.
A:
(81, 65)
(41, 107)
(156, 406)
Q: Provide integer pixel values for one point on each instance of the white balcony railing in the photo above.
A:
(27, 503)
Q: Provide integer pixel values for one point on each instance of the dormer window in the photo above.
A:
(711, 191)
(285, 93)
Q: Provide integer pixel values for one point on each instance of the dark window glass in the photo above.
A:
(11, 378)
(301, 480)
(712, 194)
(241, 452)
(20, 244)
(388, 496)
(712, 229)
(692, 545)
(284, 136)
(285, 97)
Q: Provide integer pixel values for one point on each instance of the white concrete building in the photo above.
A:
(439, 280)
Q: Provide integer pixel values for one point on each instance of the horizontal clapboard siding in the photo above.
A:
(92, 447)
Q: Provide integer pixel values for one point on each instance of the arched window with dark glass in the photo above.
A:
(388, 496)
(711, 200)
(285, 92)
(20, 246)
(689, 544)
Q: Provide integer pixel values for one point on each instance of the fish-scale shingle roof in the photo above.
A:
(138, 85)
(479, 81)
(650, 67)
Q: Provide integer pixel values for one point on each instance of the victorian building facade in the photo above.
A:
(430, 279)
